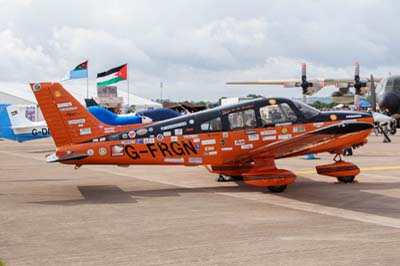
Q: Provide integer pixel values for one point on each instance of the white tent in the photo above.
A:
(19, 93)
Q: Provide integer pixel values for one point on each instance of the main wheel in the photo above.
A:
(221, 178)
(237, 178)
(277, 189)
(346, 179)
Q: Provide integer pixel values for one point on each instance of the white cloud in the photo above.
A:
(194, 47)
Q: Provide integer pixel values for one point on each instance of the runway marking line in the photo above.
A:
(281, 201)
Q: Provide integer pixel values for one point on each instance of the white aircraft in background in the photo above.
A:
(15, 126)
(312, 86)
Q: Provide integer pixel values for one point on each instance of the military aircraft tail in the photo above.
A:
(68, 120)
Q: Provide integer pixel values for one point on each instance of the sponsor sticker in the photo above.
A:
(353, 116)
(208, 142)
(268, 132)
(196, 160)
(227, 149)
(172, 126)
(63, 105)
(109, 130)
(178, 131)
(151, 129)
(132, 134)
(250, 132)
(239, 142)
(209, 148)
(268, 138)
(160, 137)
(102, 151)
(191, 121)
(299, 129)
(320, 124)
(77, 121)
(167, 133)
(254, 137)
(117, 150)
(90, 152)
(192, 136)
(287, 136)
(284, 130)
(197, 146)
(85, 131)
(174, 160)
(196, 140)
(57, 94)
(247, 146)
(283, 124)
(212, 153)
(128, 141)
(333, 117)
(225, 134)
(68, 109)
(124, 136)
(174, 138)
(272, 101)
(36, 86)
(141, 131)
(222, 142)
(139, 141)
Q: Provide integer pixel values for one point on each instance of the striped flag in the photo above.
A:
(79, 72)
(112, 76)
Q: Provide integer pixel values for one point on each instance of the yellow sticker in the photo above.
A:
(284, 130)
(333, 117)
(272, 101)
(57, 94)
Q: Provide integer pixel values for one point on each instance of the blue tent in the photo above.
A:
(365, 104)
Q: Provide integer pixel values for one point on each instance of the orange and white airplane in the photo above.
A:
(239, 141)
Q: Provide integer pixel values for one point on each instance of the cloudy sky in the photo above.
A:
(194, 47)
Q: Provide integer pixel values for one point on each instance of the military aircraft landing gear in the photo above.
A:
(277, 189)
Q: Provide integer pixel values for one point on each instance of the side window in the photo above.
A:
(242, 119)
(277, 113)
(212, 125)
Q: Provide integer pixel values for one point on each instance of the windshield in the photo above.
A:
(308, 111)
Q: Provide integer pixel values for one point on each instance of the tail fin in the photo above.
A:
(68, 121)
(5, 124)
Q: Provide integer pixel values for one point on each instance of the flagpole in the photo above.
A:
(87, 79)
(128, 93)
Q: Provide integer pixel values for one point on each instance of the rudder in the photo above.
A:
(68, 120)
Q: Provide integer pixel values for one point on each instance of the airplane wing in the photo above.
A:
(323, 81)
(302, 143)
(265, 82)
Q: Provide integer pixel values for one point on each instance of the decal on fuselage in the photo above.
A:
(161, 149)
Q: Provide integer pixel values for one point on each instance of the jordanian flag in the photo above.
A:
(79, 72)
(112, 76)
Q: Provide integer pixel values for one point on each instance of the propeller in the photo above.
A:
(358, 84)
(304, 83)
(373, 93)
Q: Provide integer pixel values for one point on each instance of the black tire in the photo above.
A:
(393, 131)
(277, 189)
(346, 179)
(237, 178)
(221, 178)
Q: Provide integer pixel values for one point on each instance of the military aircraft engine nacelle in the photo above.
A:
(313, 88)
